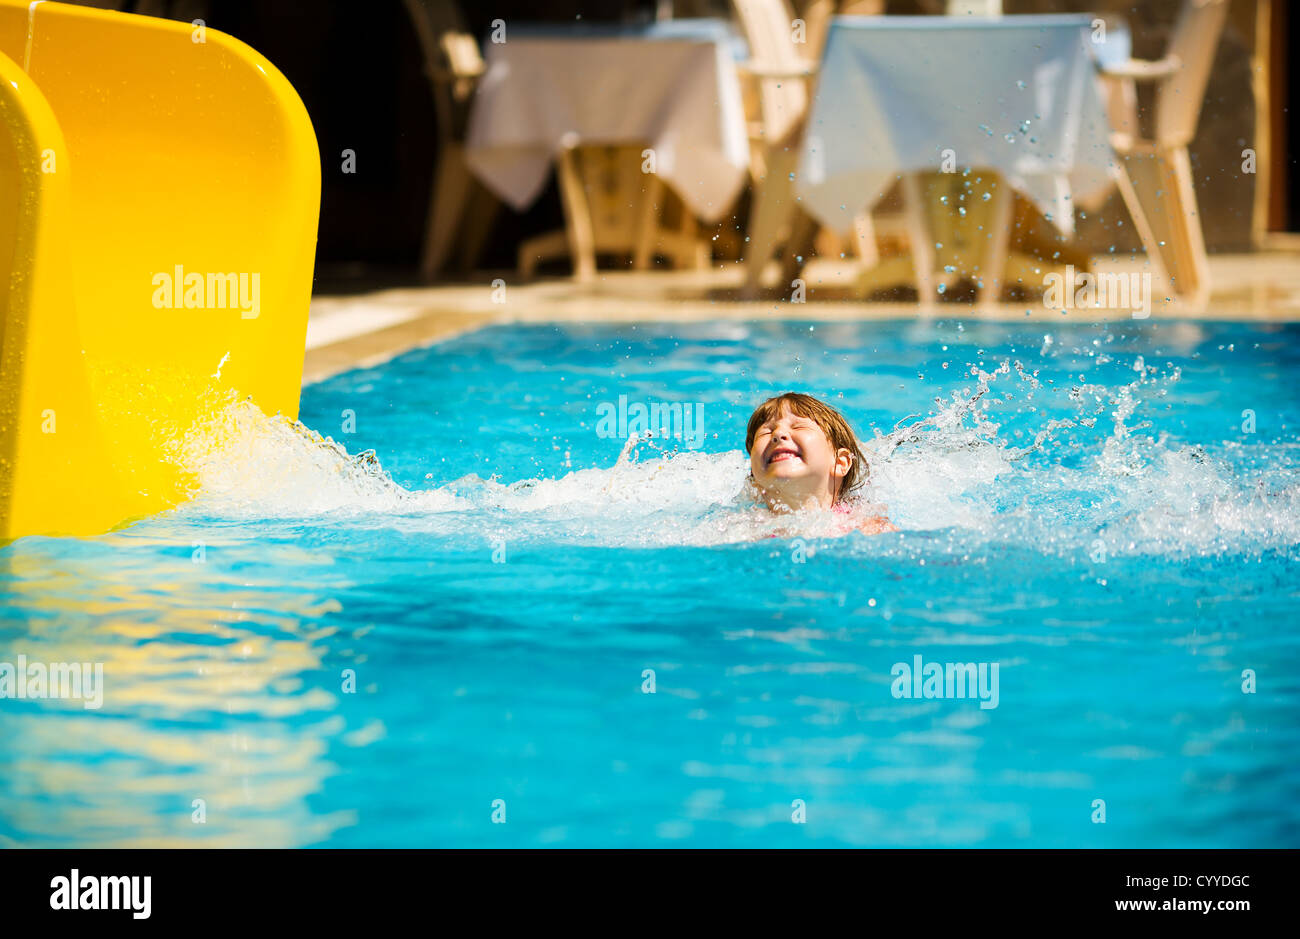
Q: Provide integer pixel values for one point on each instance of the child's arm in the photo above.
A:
(877, 525)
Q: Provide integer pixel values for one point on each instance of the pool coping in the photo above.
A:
(368, 329)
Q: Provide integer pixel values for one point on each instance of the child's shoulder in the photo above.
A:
(871, 518)
(877, 525)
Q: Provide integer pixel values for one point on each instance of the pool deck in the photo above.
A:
(360, 330)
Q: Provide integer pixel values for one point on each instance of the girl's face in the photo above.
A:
(793, 460)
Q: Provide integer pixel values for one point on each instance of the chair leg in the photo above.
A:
(1125, 176)
(799, 247)
(891, 272)
(1193, 262)
(1162, 185)
(553, 244)
(451, 186)
(773, 208)
(480, 217)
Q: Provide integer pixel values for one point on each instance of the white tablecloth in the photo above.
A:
(1018, 94)
(674, 90)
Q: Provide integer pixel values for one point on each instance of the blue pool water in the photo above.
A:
(1100, 519)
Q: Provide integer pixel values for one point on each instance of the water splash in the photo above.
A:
(986, 467)
(248, 465)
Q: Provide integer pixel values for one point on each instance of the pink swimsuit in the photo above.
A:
(839, 508)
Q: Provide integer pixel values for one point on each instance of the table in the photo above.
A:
(669, 86)
(1014, 94)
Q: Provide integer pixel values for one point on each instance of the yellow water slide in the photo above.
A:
(159, 194)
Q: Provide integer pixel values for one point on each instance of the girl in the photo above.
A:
(804, 455)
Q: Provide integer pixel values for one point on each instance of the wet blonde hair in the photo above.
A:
(832, 423)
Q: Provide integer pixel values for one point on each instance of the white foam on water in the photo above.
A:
(1067, 486)
(249, 465)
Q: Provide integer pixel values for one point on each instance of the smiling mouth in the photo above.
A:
(782, 455)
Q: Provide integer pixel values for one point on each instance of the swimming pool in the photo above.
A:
(508, 621)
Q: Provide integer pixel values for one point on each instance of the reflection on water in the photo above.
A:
(209, 694)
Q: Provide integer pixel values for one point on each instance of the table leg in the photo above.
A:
(650, 202)
(919, 237)
(699, 255)
(865, 230)
(577, 217)
(997, 244)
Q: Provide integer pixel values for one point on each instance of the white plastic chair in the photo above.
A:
(1155, 174)
(777, 78)
(453, 64)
